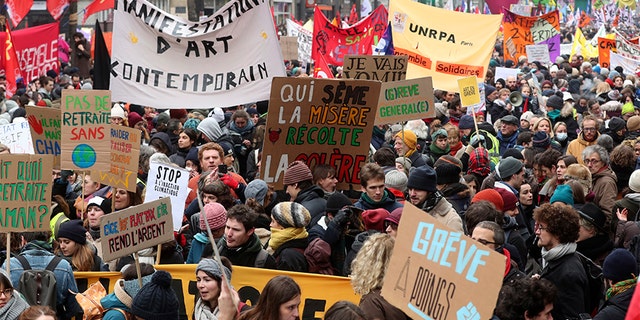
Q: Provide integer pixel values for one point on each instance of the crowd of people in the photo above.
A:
(548, 178)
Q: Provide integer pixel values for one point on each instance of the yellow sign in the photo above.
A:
(438, 48)
(316, 299)
(469, 93)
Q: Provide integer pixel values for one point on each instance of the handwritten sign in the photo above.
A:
(538, 52)
(405, 100)
(605, 46)
(133, 229)
(520, 31)
(382, 68)
(45, 131)
(482, 105)
(125, 151)
(17, 136)
(469, 92)
(289, 47)
(25, 192)
(85, 129)
(436, 273)
(168, 181)
(521, 9)
(319, 121)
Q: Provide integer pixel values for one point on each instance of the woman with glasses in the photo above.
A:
(11, 301)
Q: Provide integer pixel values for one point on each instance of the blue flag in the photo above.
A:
(385, 44)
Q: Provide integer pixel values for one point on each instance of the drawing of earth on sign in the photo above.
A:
(83, 156)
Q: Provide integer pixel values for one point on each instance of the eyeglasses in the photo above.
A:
(592, 161)
(388, 224)
(485, 242)
(7, 292)
(588, 129)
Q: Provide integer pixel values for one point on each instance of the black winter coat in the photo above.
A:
(569, 277)
(290, 256)
(312, 198)
(616, 307)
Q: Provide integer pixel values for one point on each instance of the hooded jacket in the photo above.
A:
(605, 191)
(566, 116)
(164, 137)
(119, 299)
(578, 145)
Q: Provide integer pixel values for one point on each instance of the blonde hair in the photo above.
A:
(371, 263)
(579, 173)
(82, 259)
(602, 87)
(537, 124)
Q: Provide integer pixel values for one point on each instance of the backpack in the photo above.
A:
(318, 255)
(595, 281)
(39, 286)
(261, 259)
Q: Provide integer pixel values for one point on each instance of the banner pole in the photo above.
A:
(8, 263)
(137, 259)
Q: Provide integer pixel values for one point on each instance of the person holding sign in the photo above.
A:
(72, 238)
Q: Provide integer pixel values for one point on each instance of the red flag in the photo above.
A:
(321, 69)
(353, 16)
(11, 65)
(18, 9)
(56, 7)
(97, 6)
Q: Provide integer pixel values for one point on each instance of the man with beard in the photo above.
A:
(512, 83)
(424, 194)
(588, 136)
(508, 135)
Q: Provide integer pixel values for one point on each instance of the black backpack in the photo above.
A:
(38, 286)
(595, 282)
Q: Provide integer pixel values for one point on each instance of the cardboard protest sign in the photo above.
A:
(45, 131)
(333, 43)
(168, 181)
(382, 68)
(538, 52)
(482, 105)
(319, 121)
(125, 153)
(36, 48)
(130, 230)
(520, 31)
(469, 92)
(605, 45)
(17, 136)
(289, 47)
(25, 192)
(85, 129)
(438, 47)
(436, 273)
(229, 57)
(503, 73)
(405, 100)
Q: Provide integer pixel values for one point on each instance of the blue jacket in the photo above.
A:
(112, 301)
(39, 258)
(200, 241)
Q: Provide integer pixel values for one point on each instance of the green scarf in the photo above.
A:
(620, 287)
(437, 151)
(368, 199)
(553, 114)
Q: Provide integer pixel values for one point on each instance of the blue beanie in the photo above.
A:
(564, 194)
(466, 122)
(619, 265)
(423, 178)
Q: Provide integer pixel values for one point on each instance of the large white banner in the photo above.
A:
(164, 61)
(629, 65)
(305, 38)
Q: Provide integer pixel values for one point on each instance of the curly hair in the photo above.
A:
(370, 265)
(562, 221)
(524, 297)
(623, 156)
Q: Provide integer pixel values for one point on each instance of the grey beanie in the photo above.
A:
(211, 267)
(508, 167)
(256, 189)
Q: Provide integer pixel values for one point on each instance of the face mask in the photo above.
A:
(561, 136)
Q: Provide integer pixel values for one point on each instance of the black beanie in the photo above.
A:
(448, 173)
(337, 201)
(541, 140)
(556, 101)
(73, 230)
(616, 124)
(156, 299)
(423, 178)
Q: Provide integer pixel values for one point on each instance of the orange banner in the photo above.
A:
(605, 46)
(520, 31)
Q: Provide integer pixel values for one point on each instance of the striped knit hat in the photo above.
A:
(291, 215)
(296, 172)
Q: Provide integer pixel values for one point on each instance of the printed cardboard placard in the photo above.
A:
(133, 229)
(432, 265)
(169, 181)
(319, 121)
(45, 131)
(125, 153)
(469, 92)
(85, 138)
(382, 68)
(405, 100)
(17, 136)
(25, 192)
(538, 52)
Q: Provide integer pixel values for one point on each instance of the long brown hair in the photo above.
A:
(278, 290)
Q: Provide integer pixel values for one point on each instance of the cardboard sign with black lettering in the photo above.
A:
(17, 137)
(125, 151)
(86, 115)
(436, 273)
(406, 100)
(319, 121)
(25, 192)
(381, 68)
(133, 229)
(45, 131)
